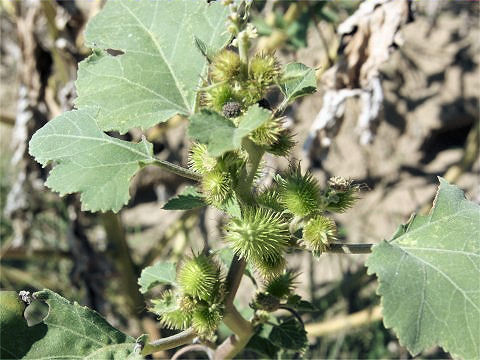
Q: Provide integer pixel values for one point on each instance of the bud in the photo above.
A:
(271, 266)
(199, 159)
(199, 277)
(268, 133)
(266, 301)
(176, 320)
(170, 315)
(340, 195)
(232, 109)
(225, 66)
(282, 285)
(269, 198)
(283, 145)
(318, 233)
(264, 69)
(299, 193)
(261, 235)
(218, 95)
(217, 187)
(205, 319)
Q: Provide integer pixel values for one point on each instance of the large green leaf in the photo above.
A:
(87, 160)
(160, 68)
(298, 80)
(159, 273)
(220, 134)
(429, 275)
(69, 331)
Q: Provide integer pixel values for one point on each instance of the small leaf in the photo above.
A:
(290, 335)
(232, 208)
(68, 331)
(160, 273)
(297, 303)
(159, 70)
(298, 80)
(189, 198)
(87, 160)
(220, 134)
(262, 347)
(429, 277)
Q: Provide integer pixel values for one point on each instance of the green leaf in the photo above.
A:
(297, 303)
(263, 347)
(87, 160)
(298, 80)
(160, 273)
(220, 134)
(68, 331)
(429, 277)
(290, 334)
(189, 198)
(159, 70)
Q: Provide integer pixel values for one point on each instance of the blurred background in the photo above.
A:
(397, 105)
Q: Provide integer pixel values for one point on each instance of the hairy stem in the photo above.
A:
(182, 338)
(243, 45)
(178, 170)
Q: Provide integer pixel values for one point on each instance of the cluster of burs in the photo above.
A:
(288, 214)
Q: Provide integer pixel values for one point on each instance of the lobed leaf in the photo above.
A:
(429, 277)
(159, 273)
(69, 331)
(220, 134)
(87, 160)
(298, 80)
(159, 67)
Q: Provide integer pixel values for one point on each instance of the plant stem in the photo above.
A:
(339, 248)
(178, 170)
(193, 347)
(182, 338)
(244, 188)
(243, 329)
(243, 45)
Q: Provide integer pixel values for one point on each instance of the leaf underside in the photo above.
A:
(69, 331)
(429, 277)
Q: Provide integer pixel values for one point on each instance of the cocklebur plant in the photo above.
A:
(209, 73)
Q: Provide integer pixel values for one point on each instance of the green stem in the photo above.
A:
(243, 45)
(182, 338)
(242, 329)
(245, 181)
(178, 170)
